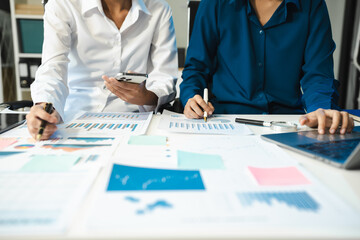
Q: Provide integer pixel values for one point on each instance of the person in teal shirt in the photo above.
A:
(263, 57)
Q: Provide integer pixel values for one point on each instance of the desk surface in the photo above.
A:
(345, 184)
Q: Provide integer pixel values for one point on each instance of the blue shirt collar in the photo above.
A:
(296, 2)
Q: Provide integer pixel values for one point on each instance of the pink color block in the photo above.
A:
(278, 176)
(5, 142)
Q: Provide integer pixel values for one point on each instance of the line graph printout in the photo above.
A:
(216, 124)
(108, 124)
(127, 178)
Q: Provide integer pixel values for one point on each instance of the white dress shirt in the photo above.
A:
(81, 44)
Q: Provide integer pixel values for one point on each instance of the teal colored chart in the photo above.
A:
(127, 178)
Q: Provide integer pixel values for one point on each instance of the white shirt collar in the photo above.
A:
(140, 5)
(88, 5)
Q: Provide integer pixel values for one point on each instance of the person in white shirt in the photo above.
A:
(87, 42)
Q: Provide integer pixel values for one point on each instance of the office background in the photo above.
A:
(344, 16)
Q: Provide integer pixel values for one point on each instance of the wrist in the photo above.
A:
(151, 98)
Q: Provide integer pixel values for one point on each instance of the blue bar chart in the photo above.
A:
(92, 126)
(302, 201)
(216, 124)
(110, 124)
(114, 116)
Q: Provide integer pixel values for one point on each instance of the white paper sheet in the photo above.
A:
(41, 203)
(106, 124)
(216, 124)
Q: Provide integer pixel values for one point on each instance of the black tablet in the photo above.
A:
(11, 120)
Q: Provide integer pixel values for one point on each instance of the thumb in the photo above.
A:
(303, 120)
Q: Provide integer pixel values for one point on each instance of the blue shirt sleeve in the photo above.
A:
(318, 84)
(199, 64)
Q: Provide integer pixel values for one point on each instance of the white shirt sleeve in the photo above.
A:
(163, 62)
(51, 77)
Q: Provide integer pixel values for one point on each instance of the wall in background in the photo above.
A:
(336, 11)
(180, 13)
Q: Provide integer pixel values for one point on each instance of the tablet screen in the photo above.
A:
(10, 120)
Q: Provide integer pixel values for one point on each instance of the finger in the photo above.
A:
(336, 118)
(49, 130)
(34, 120)
(190, 105)
(351, 125)
(309, 120)
(47, 117)
(189, 113)
(130, 86)
(212, 109)
(303, 120)
(40, 113)
(345, 122)
(111, 81)
(321, 119)
(196, 108)
(200, 102)
(115, 89)
(105, 78)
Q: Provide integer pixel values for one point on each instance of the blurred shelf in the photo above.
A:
(29, 10)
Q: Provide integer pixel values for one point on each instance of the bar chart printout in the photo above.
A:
(110, 123)
(216, 124)
(301, 201)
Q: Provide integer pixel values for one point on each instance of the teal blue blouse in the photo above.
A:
(285, 66)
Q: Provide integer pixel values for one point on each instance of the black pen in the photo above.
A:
(48, 108)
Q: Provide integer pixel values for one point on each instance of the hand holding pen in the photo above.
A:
(42, 120)
(48, 108)
(197, 107)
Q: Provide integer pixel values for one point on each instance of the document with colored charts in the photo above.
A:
(107, 124)
(42, 184)
(55, 154)
(216, 124)
(219, 183)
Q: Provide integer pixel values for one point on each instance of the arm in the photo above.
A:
(50, 83)
(51, 78)
(163, 61)
(200, 58)
(320, 93)
(162, 68)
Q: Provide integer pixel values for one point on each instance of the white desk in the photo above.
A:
(344, 183)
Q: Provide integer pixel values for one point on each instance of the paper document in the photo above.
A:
(246, 184)
(41, 203)
(216, 124)
(107, 124)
